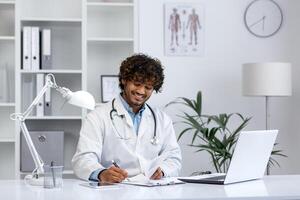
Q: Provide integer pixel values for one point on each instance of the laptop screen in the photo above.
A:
(251, 155)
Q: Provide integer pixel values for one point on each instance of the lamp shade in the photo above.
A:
(81, 99)
(267, 79)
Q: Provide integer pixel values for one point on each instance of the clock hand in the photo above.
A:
(264, 17)
(257, 22)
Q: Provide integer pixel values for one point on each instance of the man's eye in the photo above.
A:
(137, 84)
(149, 87)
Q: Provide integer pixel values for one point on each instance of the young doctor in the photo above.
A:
(121, 138)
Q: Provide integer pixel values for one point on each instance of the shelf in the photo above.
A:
(110, 4)
(7, 38)
(110, 21)
(54, 118)
(7, 140)
(109, 39)
(52, 71)
(7, 2)
(7, 104)
(64, 172)
(71, 20)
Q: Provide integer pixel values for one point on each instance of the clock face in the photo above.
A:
(263, 18)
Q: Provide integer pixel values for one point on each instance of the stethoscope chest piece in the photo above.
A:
(154, 140)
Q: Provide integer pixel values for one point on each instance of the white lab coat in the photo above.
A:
(99, 143)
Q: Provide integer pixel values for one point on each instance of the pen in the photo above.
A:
(115, 164)
(52, 172)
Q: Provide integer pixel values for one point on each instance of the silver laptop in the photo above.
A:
(249, 160)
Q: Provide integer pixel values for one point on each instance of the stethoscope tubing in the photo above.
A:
(154, 139)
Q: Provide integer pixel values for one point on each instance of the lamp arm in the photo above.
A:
(39, 163)
(21, 117)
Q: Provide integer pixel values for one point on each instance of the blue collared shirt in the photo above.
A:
(136, 119)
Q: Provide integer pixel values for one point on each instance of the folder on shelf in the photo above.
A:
(35, 48)
(47, 104)
(28, 93)
(39, 87)
(26, 48)
(46, 56)
(3, 84)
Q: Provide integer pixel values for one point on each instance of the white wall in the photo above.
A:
(218, 73)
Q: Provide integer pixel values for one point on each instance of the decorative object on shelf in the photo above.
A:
(109, 87)
(184, 29)
(80, 98)
(263, 18)
(4, 84)
(211, 133)
(266, 80)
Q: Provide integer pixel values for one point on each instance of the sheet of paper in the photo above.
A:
(142, 180)
(152, 166)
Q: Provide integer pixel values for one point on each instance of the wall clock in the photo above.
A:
(263, 18)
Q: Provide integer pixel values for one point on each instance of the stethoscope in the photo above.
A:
(154, 139)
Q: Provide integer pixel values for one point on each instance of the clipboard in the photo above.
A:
(154, 183)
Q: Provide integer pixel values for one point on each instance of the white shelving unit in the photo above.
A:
(7, 98)
(110, 36)
(89, 39)
(66, 49)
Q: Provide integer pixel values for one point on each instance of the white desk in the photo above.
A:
(271, 187)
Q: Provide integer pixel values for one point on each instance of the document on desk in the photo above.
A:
(151, 166)
(142, 180)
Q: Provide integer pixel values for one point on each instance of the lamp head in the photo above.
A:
(81, 99)
(267, 79)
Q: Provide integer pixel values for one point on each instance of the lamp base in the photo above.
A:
(33, 180)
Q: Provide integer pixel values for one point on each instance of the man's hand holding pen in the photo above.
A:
(158, 174)
(114, 174)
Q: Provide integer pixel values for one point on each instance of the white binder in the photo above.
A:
(46, 49)
(26, 57)
(3, 84)
(47, 106)
(35, 48)
(39, 87)
(28, 94)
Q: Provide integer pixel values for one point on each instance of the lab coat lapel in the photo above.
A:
(122, 111)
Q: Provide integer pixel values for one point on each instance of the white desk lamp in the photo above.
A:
(80, 98)
(267, 79)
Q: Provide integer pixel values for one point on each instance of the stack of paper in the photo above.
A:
(142, 180)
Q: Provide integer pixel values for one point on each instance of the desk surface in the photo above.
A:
(270, 187)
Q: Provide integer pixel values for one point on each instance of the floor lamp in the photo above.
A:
(267, 80)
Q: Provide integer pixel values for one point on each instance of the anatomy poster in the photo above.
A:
(184, 29)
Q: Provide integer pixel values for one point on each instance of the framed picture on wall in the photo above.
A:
(109, 87)
(184, 29)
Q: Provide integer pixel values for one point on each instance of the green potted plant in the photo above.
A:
(212, 133)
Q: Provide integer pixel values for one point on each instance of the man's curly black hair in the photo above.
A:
(142, 68)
